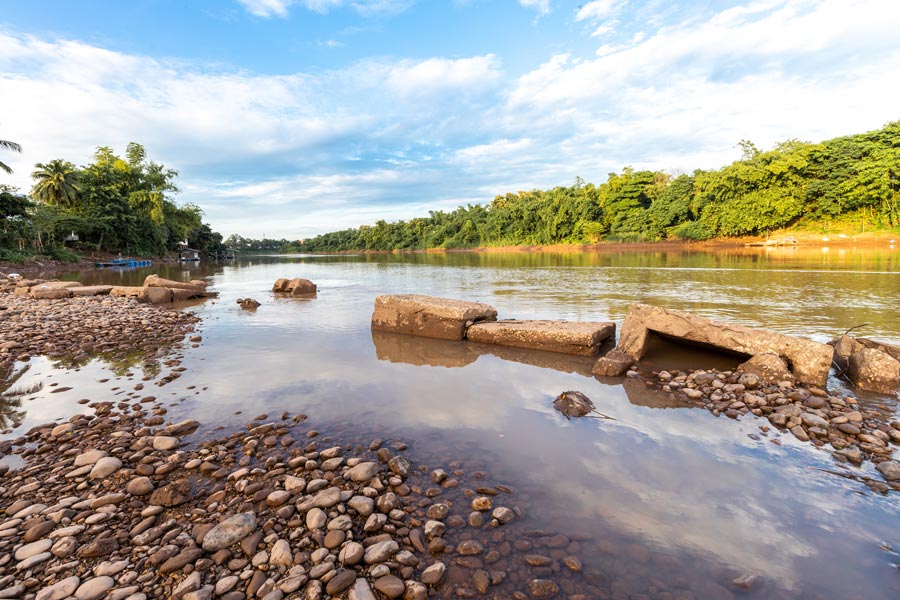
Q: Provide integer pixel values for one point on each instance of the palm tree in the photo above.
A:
(57, 183)
(9, 146)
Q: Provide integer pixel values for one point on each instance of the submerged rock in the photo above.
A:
(573, 404)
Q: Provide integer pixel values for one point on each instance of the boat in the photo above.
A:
(127, 263)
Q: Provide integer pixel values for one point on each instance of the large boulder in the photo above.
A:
(427, 316)
(810, 361)
(874, 370)
(870, 365)
(295, 287)
(554, 336)
(155, 295)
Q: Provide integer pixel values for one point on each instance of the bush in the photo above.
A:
(15, 256)
(694, 231)
(62, 254)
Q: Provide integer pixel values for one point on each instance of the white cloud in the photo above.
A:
(306, 152)
(279, 8)
(597, 9)
(541, 6)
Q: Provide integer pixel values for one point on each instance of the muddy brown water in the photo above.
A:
(660, 500)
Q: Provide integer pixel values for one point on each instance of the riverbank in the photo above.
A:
(787, 239)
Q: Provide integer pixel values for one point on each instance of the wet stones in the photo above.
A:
(230, 531)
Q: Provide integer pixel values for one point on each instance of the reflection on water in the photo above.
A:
(712, 498)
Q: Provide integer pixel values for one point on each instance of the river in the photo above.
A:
(660, 497)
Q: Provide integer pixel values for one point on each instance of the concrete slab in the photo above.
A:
(809, 361)
(568, 337)
(428, 316)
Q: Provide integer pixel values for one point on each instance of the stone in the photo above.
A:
(43, 292)
(579, 338)
(768, 368)
(874, 371)
(89, 458)
(248, 303)
(340, 582)
(361, 590)
(362, 472)
(230, 531)
(59, 590)
(95, 588)
(428, 316)
(434, 574)
(295, 287)
(316, 519)
(351, 554)
(613, 364)
(165, 442)
(542, 588)
(415, 591)
(139, 486)
(29, 550)
(811, 361)
(890, 469)
(390, 586)
(380, 552)
(105, 467)
(281, 554)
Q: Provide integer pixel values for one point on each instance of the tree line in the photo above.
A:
(851, 182)
(114, 204)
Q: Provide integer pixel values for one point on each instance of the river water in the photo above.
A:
(662, 498)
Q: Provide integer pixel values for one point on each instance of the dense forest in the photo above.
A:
(114, 204)
(851, 182)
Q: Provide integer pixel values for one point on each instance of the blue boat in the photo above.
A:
(127, 263)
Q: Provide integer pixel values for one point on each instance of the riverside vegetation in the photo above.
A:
(849, 183)
(113, 204)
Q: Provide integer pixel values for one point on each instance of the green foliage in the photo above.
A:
(113, 204)
(794, 184)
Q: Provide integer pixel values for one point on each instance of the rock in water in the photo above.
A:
(573, 404)
(248, 303)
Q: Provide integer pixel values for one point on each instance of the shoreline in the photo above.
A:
(804, 240)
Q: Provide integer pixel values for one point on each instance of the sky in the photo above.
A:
(290, 118)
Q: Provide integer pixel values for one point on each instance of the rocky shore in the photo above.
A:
(83, 326)
(853, 433)
(120, 505)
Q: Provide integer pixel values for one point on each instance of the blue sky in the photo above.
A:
(291, 118)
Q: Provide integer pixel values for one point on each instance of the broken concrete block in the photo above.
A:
(810, 361)
(159, 282)
(428, 316)
(583, 339)
(44, 292)
(91, 290)
(613, 364)
(156, 295)
(126, 291)
(874, 370)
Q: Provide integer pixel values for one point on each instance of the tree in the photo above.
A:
(57, 183)
(6, 144)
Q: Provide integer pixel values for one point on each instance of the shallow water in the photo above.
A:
(667, 497)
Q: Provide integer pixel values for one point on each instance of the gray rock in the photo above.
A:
(380, 552)
(890, 469)
(105, 467)
(230, 531)
(60, 589)
(94, 589)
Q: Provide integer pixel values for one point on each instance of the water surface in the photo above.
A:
(664, 492)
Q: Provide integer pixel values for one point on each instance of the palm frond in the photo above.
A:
(10, 145)
(5, 168)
